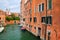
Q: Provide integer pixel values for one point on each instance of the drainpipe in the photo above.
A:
(30, 16)
(56, 33)
(45, 21)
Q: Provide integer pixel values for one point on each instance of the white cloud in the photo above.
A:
(10, 4)
(5, 2)
(13, 6)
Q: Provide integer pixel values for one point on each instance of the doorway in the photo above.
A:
(39, 31)
(49, 35)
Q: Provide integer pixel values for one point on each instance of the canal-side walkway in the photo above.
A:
(13, 32)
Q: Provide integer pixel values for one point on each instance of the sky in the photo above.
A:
(13, 5)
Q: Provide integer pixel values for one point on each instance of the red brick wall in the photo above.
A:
(54, 12)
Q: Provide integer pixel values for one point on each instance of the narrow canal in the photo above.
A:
(13, 32)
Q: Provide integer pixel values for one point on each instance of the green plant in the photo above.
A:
(17, 18)
(9, 18)
(12, 17)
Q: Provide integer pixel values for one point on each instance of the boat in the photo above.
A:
(1, 29)
(20, 25)
(23, 28)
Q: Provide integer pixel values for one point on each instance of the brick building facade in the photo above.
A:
(42, 18)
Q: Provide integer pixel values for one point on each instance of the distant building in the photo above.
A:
(2, 17)
(16, 14)
(8, 12)
(13, 21)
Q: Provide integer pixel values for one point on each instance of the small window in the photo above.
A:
(39, 8)
(24, 19)
(34, 27)
(0, 18)
(43, 20)
(30, 19)
(49, 33)
(30, 26)
(42, 6)
(26, 24)
(35, 19)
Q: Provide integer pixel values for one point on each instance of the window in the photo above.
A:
(34, 27)
(26, 24)
(49, 33)
(35, 19)
(0, 18)
(30, 26)
(41, 7)
(49, 20)
(49, 4)
(24, 19)
(30, 19)
(30, 11)
(43, 19)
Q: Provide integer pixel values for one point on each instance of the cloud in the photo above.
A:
(14, 5)
(4, 2)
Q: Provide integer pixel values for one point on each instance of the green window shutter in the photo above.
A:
(50, 4)
(42, 6)
(39, 8)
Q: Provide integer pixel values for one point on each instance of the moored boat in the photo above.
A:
(1, 29)
(23, 28)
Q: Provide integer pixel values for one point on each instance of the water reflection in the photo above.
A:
(13, 32)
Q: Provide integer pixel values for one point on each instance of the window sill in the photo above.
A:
(41, 11)
(49, 9)
(35, 22)
(49, 24)
(43, 23)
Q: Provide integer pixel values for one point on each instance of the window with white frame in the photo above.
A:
(41, 7)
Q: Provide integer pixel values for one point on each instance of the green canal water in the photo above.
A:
(13, 32)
